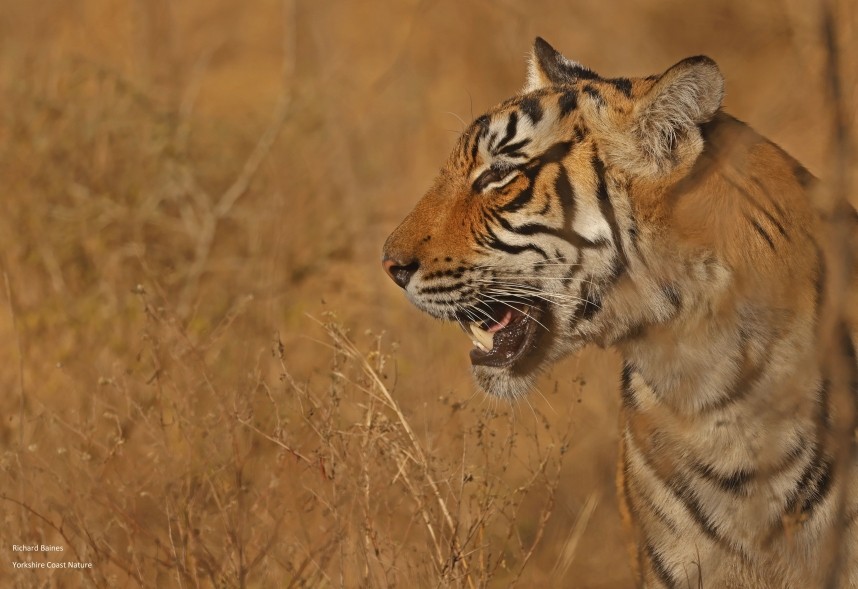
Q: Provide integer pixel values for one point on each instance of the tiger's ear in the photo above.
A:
(547, 67)
(663, 129)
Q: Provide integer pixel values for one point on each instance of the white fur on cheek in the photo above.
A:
(590, 224)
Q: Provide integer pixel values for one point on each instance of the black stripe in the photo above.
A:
(482, 127)
(617, 271)
(591, 302)
(513, 148)
(635, 493)
(753, 201)
(573, 238)
(776, 223)
(805, 178)
(553, 154)
(579, 72)
(494, 242)
(475, 145)
(606, 208)
(745, 381)
(624, 85)
(789, 459)
(601, 184)
(660, 568)
(532, 108)
(813, 485)
(493, 137)
(627, 489)
(765, 192)
(672, 294)
(566, 194)
(591, 296)
(628, 394)
(818, 482)
(573, 270)
(648, 503)
(736, 482)
(568, 101)
(761, 231)
(521, 200)
(452, 272)
(546, 206)
(682, 491)
(594, 94)
(633, 235)
(511, 126)
(685, 494)
(515, 154)
(429, 290)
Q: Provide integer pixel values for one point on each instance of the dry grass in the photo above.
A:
(177, 476)
(187, 185)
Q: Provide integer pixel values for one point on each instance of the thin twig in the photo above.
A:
(280, 443)
(22, 394)
(241, 184)
(173, 546)
(337, 334)
(570, 546)
(22, 407)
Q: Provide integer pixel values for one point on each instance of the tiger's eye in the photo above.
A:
(492, 176)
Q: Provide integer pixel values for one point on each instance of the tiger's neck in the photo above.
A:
(709, 364)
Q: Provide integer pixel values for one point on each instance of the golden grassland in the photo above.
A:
(208, 381)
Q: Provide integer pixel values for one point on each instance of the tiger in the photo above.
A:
(635, 214)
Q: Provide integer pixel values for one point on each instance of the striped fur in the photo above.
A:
(634, 213)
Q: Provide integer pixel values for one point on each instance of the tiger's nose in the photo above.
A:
(401, 272)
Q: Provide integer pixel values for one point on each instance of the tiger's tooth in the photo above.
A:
(483, 337)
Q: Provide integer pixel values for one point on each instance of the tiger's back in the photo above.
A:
(634, 213)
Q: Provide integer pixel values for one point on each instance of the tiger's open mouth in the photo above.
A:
(505, 337)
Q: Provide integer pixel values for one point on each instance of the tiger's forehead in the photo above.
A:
(515, 130)
(523, 125)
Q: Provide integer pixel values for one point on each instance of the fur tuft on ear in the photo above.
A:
(547, 67)
(665, 121)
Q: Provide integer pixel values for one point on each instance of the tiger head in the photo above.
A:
(535, 215)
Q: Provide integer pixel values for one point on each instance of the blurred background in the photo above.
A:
(207, 380)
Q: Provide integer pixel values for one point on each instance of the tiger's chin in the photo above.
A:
(502, 382)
